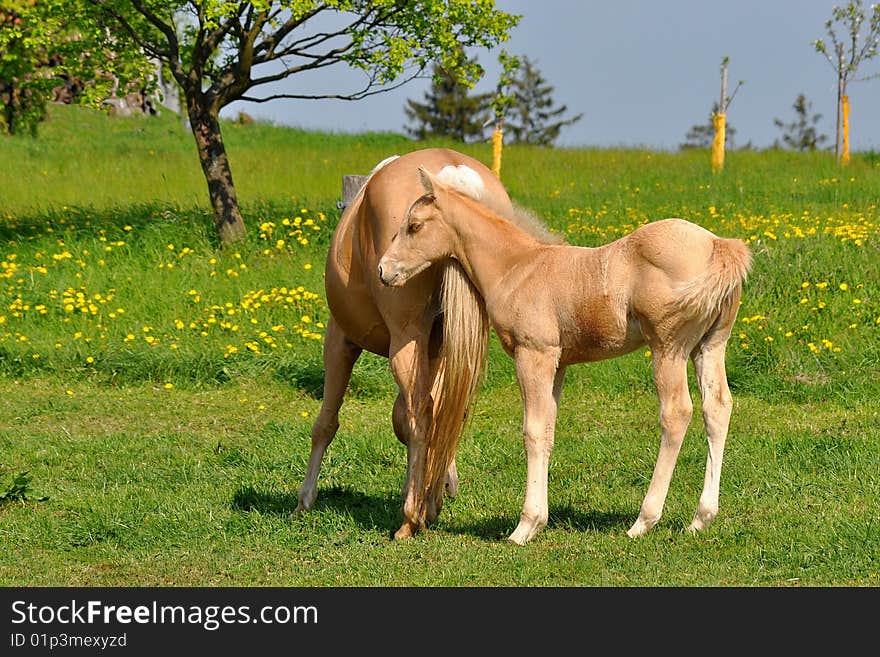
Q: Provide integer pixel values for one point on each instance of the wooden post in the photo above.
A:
(497, 146)
(351, 185)
(719, 121)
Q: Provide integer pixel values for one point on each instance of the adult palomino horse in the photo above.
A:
(434, 332)
(670, 284)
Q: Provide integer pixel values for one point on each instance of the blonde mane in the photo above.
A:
(529, 221)
(468, 182)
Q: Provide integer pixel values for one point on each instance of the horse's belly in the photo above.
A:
(351, 304)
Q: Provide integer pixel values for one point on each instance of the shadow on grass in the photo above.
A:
(561, 517)
(382, 513)
(373, 512)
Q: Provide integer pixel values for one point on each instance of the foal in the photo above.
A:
(670, 284)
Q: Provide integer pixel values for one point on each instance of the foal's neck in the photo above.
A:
(489, 245)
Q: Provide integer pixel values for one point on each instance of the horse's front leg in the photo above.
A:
(409, 364)
(540, 381)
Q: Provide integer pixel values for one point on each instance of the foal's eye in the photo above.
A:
(414, 227)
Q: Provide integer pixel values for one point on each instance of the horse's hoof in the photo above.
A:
(407, 530)
(302, 506)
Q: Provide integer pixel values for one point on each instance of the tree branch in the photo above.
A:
(152, 49)
(159, 24)
(368, 90)
(271, 41)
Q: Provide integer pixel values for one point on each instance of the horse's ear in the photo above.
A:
(427, 180)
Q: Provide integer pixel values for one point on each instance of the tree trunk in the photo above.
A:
(837, 135)
(205, 124)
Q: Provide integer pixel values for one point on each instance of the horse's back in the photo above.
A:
(367, 312)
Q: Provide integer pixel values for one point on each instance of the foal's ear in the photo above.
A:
(427, 180)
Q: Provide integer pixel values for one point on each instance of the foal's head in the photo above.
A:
(423, 239)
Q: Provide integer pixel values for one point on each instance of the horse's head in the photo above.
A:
(424, 236)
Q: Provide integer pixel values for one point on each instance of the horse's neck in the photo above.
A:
(490, 246)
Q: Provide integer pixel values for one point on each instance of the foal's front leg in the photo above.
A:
(540, 382)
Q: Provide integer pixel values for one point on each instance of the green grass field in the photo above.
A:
(159, 392)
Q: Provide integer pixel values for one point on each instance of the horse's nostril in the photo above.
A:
(380, 273)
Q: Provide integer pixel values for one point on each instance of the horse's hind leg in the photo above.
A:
(708, 360)
(670, 379)
(339, 359)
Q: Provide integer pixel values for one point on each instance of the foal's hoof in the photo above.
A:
(700, 522)
(525, 531)
(640, 527)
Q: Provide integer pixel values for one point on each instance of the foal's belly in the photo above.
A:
(598, 342)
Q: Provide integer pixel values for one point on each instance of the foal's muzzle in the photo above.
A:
(386, 277)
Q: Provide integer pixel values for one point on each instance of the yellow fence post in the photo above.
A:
(844, 153)
(718, 120)
(497, 145)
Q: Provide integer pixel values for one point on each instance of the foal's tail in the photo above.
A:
(461, 367)
(720, 283)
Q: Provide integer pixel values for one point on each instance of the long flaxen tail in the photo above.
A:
(728, 267)
(460, 371)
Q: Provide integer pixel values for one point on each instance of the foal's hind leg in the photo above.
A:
(339, 359)
(717, 405)
(676, 408)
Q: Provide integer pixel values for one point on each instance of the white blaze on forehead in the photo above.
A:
(464, 179)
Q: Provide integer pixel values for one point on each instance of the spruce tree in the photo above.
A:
(449, 110)
(801, 134)
(533, 118)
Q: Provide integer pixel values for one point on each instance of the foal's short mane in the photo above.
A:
(467, 182)
(534, 225)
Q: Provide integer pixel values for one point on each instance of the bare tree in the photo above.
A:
(847, 52)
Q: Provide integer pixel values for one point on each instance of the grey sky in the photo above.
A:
(643, 72)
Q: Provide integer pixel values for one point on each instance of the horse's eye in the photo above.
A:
(414, 227)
